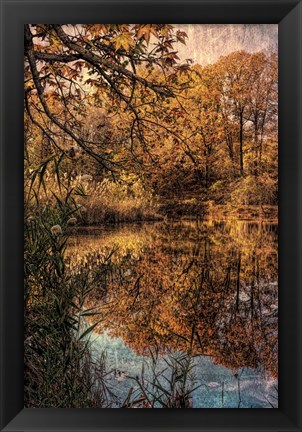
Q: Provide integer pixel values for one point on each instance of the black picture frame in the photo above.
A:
(14, 14)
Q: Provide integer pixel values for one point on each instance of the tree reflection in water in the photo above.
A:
(206, 287)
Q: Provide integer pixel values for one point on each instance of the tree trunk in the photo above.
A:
(256, 147)
(238, 281)
(241, 143)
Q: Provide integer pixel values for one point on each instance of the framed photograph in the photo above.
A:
(151, 219)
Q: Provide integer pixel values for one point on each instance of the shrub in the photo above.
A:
(251, 190)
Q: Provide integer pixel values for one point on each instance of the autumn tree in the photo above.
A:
(228, 125)
(62, 61)
(106, 99)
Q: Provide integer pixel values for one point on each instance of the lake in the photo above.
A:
(209, 288)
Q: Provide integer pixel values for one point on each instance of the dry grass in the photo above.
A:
(97, 202)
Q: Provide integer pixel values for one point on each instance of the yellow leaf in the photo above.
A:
(123, 40)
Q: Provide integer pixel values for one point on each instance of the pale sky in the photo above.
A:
(207, 42)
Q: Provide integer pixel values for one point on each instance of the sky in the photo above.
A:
(207, 42)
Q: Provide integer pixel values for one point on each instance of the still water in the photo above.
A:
(210, 288)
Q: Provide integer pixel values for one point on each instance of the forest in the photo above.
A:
(118, 130)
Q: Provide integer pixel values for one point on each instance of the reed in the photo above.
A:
(59, 369)
(170, 384)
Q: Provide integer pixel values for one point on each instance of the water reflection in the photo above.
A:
(209, 287)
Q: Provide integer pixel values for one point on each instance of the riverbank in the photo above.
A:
(243, 212)
(180, 209)
(208, 209)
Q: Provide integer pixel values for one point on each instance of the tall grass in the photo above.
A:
(170, 384)
(59, 370)
(98, 201)
(114, 202)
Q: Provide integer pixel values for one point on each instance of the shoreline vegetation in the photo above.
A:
(119, 129)
(177, 210)
(124, 201)
(183, 212)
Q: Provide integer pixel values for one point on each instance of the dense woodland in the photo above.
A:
(118, 129)
(113, 116)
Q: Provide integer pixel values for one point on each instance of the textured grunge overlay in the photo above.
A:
(151, 216)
